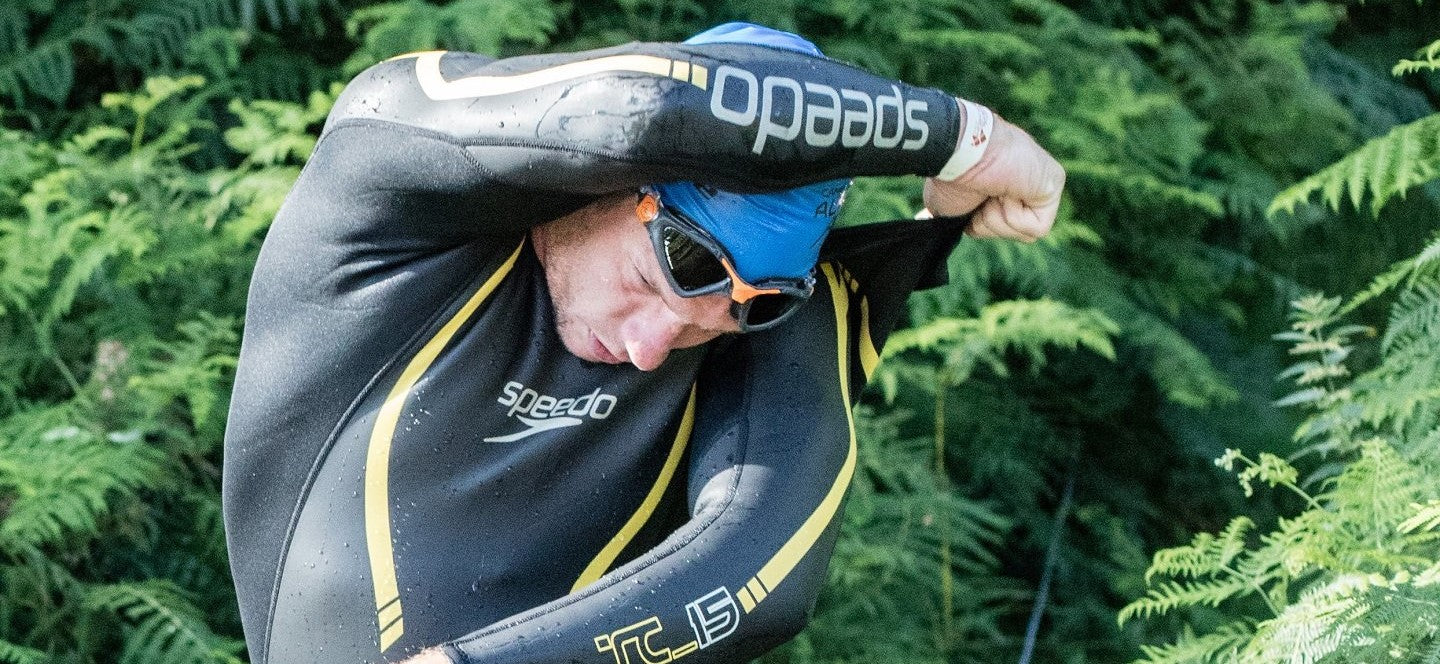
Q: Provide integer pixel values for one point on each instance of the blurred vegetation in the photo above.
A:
(1036, 463)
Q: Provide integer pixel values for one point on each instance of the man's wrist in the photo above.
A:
(976, 124)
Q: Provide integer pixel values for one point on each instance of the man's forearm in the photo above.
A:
(739, 117)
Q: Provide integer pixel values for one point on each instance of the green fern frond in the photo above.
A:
(1427, 517)
(983, 44)
(1206, 555)
(274, 132)
(195, 370)
(483, 26)
(1218, 647)
(65, 479)
(1314, 626)
(1027, 327)
(1375, 493)
(163, 626)
(1381, 169)
(1399, 623)
(1184, 375)
(1028, 270)
(1414, 318)
(1408, 271)
(144, 35)
(46, 69)
(1170, 595)
(1402, 390)
(1405, 388)
(13, 653)
(1428, 59)
(209, 529)
(1140, 190)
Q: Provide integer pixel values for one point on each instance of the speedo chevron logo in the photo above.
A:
(542, 412)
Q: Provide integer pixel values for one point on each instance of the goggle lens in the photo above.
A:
(693, 266)
(769, 308)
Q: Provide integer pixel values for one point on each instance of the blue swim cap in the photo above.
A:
(775, 234)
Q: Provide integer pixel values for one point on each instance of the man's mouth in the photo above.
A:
(602, 352)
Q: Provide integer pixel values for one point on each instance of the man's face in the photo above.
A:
(612, 302)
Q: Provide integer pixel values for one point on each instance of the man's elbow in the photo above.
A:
(373, 90)
(766, 631)
(789, 624)
(782, 616)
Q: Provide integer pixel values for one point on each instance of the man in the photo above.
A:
(538, 366)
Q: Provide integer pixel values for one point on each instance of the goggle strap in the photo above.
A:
(647, 209)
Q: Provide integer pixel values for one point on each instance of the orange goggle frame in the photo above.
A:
(696, 264)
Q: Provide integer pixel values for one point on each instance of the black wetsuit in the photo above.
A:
(414, 459)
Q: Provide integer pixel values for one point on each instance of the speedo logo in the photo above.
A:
(784, 107)
(542, 412)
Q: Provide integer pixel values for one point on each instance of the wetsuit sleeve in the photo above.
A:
(772, 453)
(539, 134)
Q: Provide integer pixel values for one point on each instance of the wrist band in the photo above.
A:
(974, 138)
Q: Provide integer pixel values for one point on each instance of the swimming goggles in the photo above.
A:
(695, 264)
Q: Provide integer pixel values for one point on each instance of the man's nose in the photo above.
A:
(650, 337)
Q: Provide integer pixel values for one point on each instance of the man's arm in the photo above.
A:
(741, 117)
(771, 456)
(490, 147)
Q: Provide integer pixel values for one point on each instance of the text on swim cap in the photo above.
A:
(784, 107)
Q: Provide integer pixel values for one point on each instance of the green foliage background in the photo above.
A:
(1036, 480)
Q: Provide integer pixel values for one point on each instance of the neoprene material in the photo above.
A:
(413, 459)
(768, 234)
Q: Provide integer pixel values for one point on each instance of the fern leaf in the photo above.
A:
(1141, 190)
(1426, 263)
(1027, 327)
(1414, 318)
(46, 69)
(1030, 325)
(985, 44)
(1165, 597)
(1427, 59)
(1305, 396)
(66, 479)
(482, 26)
(1381, 169)
(1427, 517)
(1218, 646)
(1314, 626)
(13, 653)
(1206, 554)
(163, 625)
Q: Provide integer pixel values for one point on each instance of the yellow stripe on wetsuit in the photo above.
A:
(607, 555)
(377, 462)
(785, 560)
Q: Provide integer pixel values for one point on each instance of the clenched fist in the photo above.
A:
(1014, 189)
